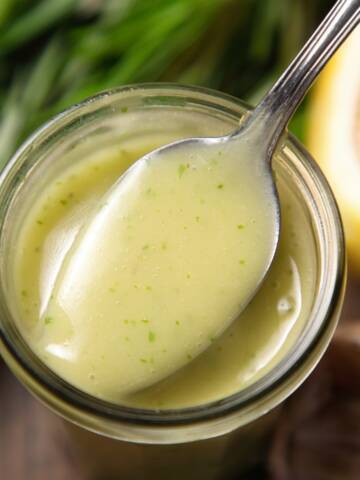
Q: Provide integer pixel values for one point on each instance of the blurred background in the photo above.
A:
(54, 53)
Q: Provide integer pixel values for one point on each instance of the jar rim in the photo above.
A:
(332, 279)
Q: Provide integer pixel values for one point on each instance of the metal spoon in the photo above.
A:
(100, 251)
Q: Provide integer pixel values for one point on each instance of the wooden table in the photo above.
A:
(33, 441)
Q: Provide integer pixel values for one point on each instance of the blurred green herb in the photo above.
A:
(56, 52)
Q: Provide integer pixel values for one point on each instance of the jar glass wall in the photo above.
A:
(215, 429)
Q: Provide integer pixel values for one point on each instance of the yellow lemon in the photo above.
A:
(334, 135)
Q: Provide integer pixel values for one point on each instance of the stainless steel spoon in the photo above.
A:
(99, 254)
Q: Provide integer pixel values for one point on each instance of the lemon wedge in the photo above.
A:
(333, 135)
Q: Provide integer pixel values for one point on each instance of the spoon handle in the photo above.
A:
(273, 113)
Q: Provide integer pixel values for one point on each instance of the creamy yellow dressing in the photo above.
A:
(126, 334)
(169, 258)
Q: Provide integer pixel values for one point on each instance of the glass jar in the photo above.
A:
(207, 441)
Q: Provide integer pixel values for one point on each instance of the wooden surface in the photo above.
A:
(34, 444)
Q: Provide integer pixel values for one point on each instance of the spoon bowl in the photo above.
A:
(176, 233)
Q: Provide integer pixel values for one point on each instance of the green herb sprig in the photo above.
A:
(54, 53)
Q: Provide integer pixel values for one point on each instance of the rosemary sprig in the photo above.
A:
(56, 52)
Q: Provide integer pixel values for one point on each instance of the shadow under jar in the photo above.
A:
(212, 419)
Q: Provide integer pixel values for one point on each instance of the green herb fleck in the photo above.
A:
(151, 336)
(24, 293)
(188, 275)
(189, 357)
(48, 320)
(163, 246)
(124, 109)
(220, 186)
(143, 360)
(212, 339)
(126, 322)
(182, 169)
(177, 322)
(145, 321)
(145, 247)
(197, 218)
(242, 262)
(240, 226)
(112, 289)
(63, 202)
(37, 249)
(148, 288)
(39, 222)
